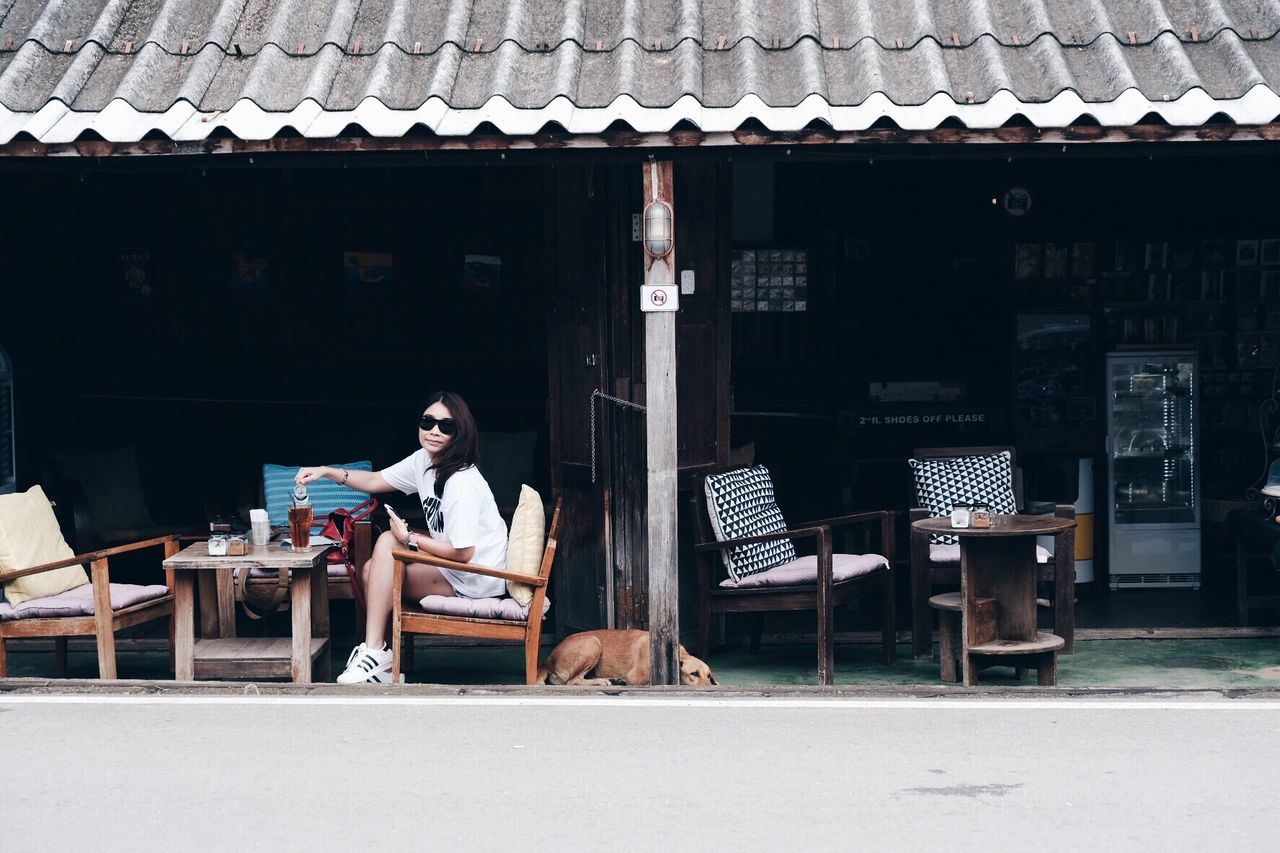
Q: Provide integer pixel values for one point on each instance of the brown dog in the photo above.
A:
(615, 657)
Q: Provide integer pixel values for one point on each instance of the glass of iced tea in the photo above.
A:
(300, 527)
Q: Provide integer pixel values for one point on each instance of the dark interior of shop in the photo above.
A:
(923, 271)
(216, 321)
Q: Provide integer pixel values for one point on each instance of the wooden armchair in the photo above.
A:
(97, 609)
(506, 622)
(861, 575)
(931, 565)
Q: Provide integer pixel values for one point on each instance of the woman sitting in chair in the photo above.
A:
(462, 521)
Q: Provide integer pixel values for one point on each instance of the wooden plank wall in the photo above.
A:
(595, 275)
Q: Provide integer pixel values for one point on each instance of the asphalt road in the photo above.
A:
(639, 773)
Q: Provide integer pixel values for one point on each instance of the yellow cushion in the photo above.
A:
(29, 536)
(524, 545)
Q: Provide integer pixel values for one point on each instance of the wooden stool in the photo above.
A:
(950, 647)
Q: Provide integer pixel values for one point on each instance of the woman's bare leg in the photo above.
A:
(419, 582)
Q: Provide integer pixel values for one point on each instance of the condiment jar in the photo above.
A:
(980, 516)
(237, 546)
(217, 546)
(960, 515)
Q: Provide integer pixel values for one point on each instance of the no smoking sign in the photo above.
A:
(659, 297)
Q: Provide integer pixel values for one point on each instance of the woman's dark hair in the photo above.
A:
(461, 452)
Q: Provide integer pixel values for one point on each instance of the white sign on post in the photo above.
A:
(659, 297)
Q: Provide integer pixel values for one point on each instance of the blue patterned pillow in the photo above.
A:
(326, 495)
(740, 503)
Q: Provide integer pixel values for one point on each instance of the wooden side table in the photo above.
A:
(220, 654)
(998, 572)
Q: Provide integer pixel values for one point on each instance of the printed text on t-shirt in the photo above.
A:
(435, 516)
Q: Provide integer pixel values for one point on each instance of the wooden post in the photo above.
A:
(660, 398)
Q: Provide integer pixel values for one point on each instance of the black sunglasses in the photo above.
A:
(447, 425)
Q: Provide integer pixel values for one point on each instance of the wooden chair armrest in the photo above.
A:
(406, 556)
(916, 513)
(797, 533)
(91, 557)
(876, 515)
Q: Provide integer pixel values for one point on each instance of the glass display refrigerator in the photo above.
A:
(1153, 467)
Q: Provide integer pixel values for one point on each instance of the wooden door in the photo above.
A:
(576, 357)
(597, 342)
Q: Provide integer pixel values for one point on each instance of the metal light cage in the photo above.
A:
(659, 236)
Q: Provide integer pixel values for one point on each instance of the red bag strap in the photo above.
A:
(361, 511)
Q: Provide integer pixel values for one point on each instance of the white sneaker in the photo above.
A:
(367, 665)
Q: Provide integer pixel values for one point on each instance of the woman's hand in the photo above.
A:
(306, 475)
(399, 527)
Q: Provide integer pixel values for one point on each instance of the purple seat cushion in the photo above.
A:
(804, 570)
(480, 608)
(949, 554)
(79, 601)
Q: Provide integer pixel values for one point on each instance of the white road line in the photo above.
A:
(834, 703)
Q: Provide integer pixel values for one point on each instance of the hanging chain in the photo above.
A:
(592, 408)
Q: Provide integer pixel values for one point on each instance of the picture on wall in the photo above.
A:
(1083, 260)
(1214, 253)
(1269, 287)
(361, 269)
(1026, 260)
(1125, 257)
(1057, 259)
(769, 280)
(1246, 253)
(1271, 252)
(250, 272)
(482, 273)
(136, 270)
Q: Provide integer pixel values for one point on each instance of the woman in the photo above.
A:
(462, 522)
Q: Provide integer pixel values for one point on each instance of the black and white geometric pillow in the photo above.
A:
(942, 483)
(740, 503)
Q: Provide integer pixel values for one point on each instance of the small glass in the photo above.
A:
(960, 515)
(980, 516)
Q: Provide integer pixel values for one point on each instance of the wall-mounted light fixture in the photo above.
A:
(658, 236)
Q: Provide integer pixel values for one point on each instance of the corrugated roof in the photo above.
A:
(127, 68)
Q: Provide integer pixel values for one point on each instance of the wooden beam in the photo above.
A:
(682, 139)
(660, 392)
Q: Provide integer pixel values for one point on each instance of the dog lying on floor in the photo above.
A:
(615, 656)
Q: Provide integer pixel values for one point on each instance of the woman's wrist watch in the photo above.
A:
(412, 541)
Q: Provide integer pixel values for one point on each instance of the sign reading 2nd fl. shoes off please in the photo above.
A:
(977, 419)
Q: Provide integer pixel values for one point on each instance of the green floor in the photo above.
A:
(1205, 664)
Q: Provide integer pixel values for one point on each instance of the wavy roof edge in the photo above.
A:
(119, 122)
(951, 42)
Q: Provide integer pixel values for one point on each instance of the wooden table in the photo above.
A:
(219, 653)
(998, 572)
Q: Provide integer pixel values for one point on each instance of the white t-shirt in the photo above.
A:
(465, 517)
